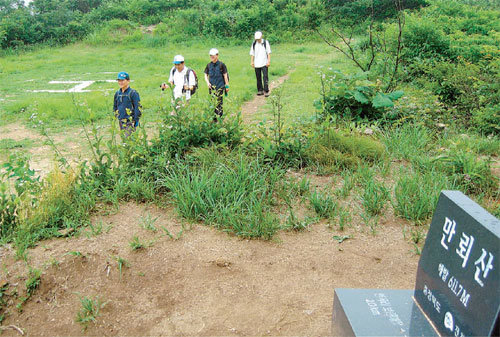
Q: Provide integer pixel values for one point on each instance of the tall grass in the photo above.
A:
(416, 195)
(233, 194)
(407, 141)
(375, 197)
(323, 204)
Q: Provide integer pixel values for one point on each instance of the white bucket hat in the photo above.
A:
(258, 35)
(213, 51)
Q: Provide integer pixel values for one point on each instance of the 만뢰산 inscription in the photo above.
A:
(458, 278)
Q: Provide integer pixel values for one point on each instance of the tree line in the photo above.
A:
(64, 21)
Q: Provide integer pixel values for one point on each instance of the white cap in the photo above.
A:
(213, 51)
(258, 35)
(178, 59)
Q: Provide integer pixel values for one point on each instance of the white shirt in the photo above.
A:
(260, 53)
(178, 80)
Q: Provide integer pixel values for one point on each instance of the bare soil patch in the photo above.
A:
(206, 283)
(70, 143)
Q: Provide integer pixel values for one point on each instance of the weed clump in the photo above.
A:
(233, 193)
(339, 151)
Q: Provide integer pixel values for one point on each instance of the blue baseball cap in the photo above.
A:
(123, 76)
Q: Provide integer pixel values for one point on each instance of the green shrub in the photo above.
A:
(486, 120)
(424, 40)
(353, 97)
(195, 127)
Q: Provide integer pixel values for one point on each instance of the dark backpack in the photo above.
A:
(264, 42)
(221, 71)
(129, 95)
(186, 79)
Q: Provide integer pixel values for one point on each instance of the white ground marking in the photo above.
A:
(77, 88)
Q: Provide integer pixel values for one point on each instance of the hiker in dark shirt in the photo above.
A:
(217, 79)
(126, 104)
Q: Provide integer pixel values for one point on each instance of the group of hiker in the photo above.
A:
(184, 82)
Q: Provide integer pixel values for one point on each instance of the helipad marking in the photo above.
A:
(79, 87)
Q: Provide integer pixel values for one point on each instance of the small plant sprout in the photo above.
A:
(121, 264)
(33, 281)
(89, 311)
(136, 243)
(148, 222)
(75, 253)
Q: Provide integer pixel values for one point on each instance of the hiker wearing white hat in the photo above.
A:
(217, 79)
(260, 60)
(182, 79)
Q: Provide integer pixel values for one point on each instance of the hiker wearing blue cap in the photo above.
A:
(126, 104)
(182, 79)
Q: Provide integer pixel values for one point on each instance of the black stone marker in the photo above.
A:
(457, 291)
(378, 312)
(458, 277)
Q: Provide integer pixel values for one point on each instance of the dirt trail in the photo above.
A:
(251, 107)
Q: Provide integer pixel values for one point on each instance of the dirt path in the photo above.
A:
(251, 107)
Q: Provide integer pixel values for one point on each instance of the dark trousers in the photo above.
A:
(258, 73)
(218, 96)
(127, 126)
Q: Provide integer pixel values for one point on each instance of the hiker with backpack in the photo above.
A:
(217, 79)
(126, 104)
(183, 79)
(260, 59)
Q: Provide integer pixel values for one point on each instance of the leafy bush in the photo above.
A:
(196, 127)
(353, 97)
(486, 120)
(354, 11)
(423, 40)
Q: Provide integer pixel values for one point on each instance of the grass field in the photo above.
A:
(148, 67)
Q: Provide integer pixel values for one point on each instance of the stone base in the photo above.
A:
(378, 312)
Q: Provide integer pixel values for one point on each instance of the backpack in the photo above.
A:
(131, 92)
(129, 95)
(186, 79)
(264, 42)
(222, 70)
(227, 73)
